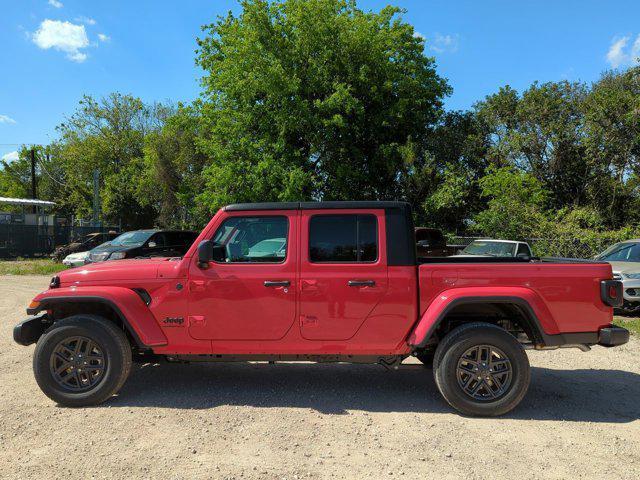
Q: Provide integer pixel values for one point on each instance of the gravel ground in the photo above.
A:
(580, 419)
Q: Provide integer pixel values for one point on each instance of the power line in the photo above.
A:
(18, 144)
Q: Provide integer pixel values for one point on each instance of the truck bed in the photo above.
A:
(564, 296)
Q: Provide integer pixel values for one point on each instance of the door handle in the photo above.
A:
(277, 283)
(361, 283)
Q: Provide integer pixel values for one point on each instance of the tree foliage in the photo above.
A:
(312, 99)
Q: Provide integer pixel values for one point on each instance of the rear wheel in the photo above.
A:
(82, 360)
(481, 369)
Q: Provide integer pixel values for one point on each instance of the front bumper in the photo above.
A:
(613, 336)
(30, 330)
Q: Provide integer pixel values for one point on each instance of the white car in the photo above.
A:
(624, 258)
(496, 248)
(75, 259)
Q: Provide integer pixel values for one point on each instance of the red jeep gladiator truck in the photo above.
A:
(324, 282)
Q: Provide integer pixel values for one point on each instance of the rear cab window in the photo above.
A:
(343, 238)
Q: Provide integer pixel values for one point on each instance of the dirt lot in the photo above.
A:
(581, 419)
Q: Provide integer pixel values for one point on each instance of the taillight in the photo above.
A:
(611, 293)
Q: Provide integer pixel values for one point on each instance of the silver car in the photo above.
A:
(624, 258)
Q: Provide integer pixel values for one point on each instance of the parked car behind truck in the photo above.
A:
(624, 258)
(144, 243)
(496, 248)
(84, 244)
(346, 286)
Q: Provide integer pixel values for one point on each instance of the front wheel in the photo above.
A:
(82, 360)
(481, 369)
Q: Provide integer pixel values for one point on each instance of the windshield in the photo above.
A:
(494, 249)
(621, 252)
(131, 238)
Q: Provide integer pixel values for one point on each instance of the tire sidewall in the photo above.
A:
(447, 363)
(99, 334)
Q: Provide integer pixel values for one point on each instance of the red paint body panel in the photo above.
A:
(228, 301)
(564, 297)
(127, 301)
(330, 309)
(226, 309)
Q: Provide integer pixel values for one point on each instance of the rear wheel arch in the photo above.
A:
(511, 313)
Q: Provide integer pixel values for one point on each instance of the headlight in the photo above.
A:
(633, 276)
(117, 255)
(98, 257)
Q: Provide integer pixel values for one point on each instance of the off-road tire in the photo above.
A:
(113, 345)
(446, 368)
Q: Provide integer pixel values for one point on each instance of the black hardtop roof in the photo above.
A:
(329, 205)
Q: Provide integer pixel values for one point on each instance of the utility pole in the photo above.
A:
(34, 186)
(96, 198)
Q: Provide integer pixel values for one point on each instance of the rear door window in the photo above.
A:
(343, 238)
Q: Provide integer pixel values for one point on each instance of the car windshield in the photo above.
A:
(87, 239)
(621, 252)
(131, 238)
(493, 249)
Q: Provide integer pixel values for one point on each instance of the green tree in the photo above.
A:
(443, 185)
(541, 132)
(312, 99)
(612, 138)
(172, 173)
(109, 135)
(516, 206)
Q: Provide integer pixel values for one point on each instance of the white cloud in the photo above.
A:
(56, 3)
(64, 36)
(635, 51)
(6, 119)
(10, 157)
(619, 55)
(445, 43)
(103, 38)
(417, 34)
(86, 20)
(77, 57)
(616, 55)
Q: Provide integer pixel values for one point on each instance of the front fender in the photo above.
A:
(531, 304)
(126, 303)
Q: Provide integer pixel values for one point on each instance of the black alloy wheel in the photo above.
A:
(77, 363)
(484, 372)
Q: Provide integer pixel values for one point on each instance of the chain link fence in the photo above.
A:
(40, 240)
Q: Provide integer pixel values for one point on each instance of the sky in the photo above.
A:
(54, 51)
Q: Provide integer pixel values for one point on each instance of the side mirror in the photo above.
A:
(524, 256)
(209, 251)
(205, 253)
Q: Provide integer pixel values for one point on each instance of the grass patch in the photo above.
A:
(40, 266)
(630, 323)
